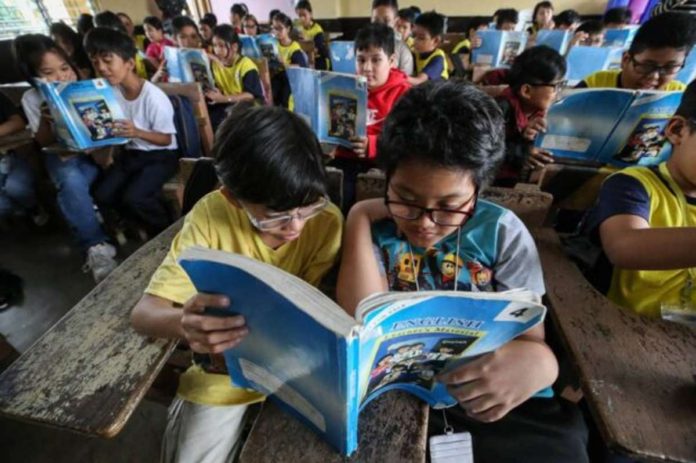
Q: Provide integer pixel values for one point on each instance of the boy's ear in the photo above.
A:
(525, 91)
(437, 40)
(674, 131)
(625, 59)
(392, 60)
(229, 196)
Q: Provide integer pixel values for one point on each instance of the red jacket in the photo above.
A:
(380, 101)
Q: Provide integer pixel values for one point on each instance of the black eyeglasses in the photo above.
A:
(557, 86)
(447, 217)
(649, 68)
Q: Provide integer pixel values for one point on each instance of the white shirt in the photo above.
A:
(151, 111)
(31, 104)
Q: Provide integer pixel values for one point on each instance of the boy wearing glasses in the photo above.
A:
(535, 79)
(440, 146)
(654, 58)
(272, 207)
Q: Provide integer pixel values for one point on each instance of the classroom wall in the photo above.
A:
(136, 9)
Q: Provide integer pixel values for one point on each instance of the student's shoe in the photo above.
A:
(100, 260)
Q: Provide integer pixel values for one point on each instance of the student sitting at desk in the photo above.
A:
(431, 61)
(440, 147)
(186, 35)
(652, 209)
(291, 54)
(206, 26)
(385, 12)
(654, 58)
(312, 30)
(272, 207)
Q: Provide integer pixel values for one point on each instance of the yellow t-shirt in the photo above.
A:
(610, 79)
(421, 63)
(409, 43)
(140, 68)
(139, 42)
(230, 79)
(287, 52)
(313, 31)
(217, 224)
(466, 43)
(644, 291)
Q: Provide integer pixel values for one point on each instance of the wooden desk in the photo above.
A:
(636, 373)
(392, 428)
(12, 142)
(90, 370)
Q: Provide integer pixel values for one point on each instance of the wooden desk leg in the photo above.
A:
(393, 428)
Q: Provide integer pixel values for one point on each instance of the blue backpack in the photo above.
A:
(188, 137)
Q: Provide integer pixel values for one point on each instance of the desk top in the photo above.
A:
(637, 374)
(90, 370)
(392, 428)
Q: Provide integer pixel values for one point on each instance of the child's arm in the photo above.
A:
(156, 316)
(432, 71)
(14, 124)
(126, 128)
(360, 275)
(419, 79)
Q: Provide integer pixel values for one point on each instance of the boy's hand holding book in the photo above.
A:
(359, 146)
(539, 158)
(211, 334)
(125, 128)
(536, 126)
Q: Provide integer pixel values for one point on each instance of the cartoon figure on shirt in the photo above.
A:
(449, 270)
(407, 270)
(481, 277)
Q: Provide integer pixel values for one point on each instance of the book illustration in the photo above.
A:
(647, 141)
(96, 116)
(510, 52)
(189, 65)
(342, 53)
(343, 109)
(498, 48)
(84, 112)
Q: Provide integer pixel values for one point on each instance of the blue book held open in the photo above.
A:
(621, 38)
(189, 65)
(554, 38)
(323, 366)
(583, 61)
(342, 56)
(334, 104)
(498, 48)
(83, 112)
(260, 46)
(610, 126)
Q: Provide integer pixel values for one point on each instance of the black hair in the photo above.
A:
(667, 30)
(435, 23)
(153, 21)
(110, 20)
(567, 17)
(375, 35)
(388, 3)
(28, 51)
(272, 13)
(101, 40)
(619, 15)
(180, 22)
(209, 19)
(65, 32)
(253, 18)
(415, 9)
(687, 107)
(121, 14)
(591, 27)
(240, 9)
(476, 22)
(408, 14)
(226, 33)
(303, 5)
(283, 19)
(507, 15)
(268, 155)
(450, 124)
(536, 65)
(85, 23)
(540, 5)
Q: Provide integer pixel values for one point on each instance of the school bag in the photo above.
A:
(188, 138)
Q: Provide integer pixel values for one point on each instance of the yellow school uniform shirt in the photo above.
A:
(312, 32)
(287, 52)
(409, 43)
(421, 63)
(645, 290)
(466, 43)
(217, 224)
(230, 79)
(610, 79)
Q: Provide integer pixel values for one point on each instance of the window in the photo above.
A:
(34, 16)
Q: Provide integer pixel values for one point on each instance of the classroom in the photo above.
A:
(348, 231)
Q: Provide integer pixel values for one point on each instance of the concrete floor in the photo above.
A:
(51, 268)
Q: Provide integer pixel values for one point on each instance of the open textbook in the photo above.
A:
(323, 366)
(189, 65)
(610, 126)
(334, 104)
(583, 61)
(83, 112)
(342, 56)
(260, 46)
(498, 48)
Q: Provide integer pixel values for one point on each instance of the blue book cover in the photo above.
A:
(554, 38)
(334, 104)
(638, 138)
(621, 38)
(688, 72)
(260, 46)
(499, 48)
(83, 112)
(323, 366)
(583, 61)
(189, 65)
(342, 56)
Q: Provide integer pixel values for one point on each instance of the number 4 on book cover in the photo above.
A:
(323, 366)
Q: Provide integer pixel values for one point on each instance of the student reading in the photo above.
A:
(652, 209)
(440, 147)
(654, 58)
(431, 62)
(385, 12)
(272, 207)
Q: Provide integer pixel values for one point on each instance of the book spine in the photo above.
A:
(600, 152)
(350, 379)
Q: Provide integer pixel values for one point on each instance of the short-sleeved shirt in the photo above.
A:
(7, 109)
(242, 76)
(151, 111)
(612, 79)
(433, 64)
(463, 47)
(156, 49)
(643, 192)
(31, 104)
(495, 252)
(292, 54)
(217, 224)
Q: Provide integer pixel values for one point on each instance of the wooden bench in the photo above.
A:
(90, 370)
(636, 373)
